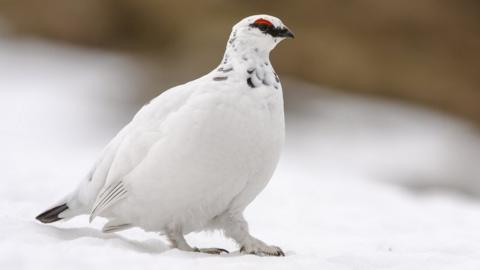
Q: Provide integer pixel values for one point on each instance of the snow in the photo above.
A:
(363, 183)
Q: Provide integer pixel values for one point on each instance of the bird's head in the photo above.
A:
(264, 31)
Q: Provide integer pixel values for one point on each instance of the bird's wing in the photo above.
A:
(137, 138)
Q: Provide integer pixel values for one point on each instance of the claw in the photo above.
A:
(279, 251)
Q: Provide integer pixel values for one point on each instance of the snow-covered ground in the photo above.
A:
(344, 195)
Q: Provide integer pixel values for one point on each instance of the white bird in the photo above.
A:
(195, 156)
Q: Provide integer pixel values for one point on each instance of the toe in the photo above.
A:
(278, 251)
(211, 250)
(223, 250)
(263, 251)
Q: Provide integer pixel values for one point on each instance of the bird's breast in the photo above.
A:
(236, 128)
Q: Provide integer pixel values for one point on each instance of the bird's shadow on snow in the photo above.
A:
(152, 246)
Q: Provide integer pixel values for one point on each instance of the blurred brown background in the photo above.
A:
(424, 51)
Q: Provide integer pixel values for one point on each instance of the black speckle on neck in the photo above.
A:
(250, 83)
(276, 77)
(220, 78)
(222, 69)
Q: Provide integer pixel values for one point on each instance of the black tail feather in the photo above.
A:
(51, 215)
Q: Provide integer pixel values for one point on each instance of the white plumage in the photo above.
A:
(195, 156)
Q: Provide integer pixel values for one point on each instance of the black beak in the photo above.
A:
(286, 33)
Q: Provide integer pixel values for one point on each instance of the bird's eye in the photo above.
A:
(263, 23)
(262, 26)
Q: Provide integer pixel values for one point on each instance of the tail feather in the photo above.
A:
(52, 215)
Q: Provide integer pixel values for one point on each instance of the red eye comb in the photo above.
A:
(263, 21)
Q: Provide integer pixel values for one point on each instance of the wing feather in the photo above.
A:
(111, 195)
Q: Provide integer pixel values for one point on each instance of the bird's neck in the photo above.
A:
(245, 53)
(248, 62)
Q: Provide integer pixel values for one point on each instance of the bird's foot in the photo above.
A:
(261, 249)
(210, 250)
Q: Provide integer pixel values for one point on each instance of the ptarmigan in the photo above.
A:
(198, 154)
